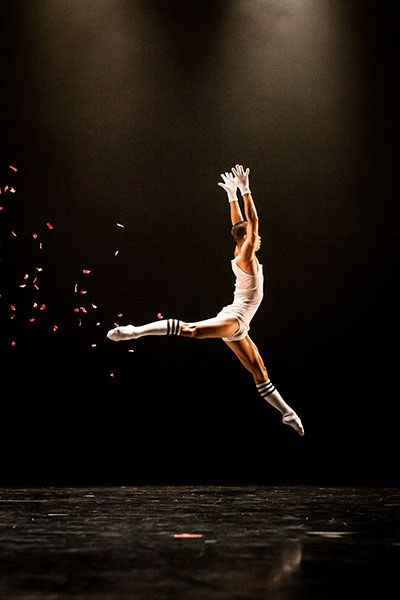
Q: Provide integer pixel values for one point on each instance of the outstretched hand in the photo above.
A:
(229, 185)
(242, 179)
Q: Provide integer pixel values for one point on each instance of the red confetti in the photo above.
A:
(83, 292)
(14, 234)
(159, 316)
(76, 288)
(13, 344)
(116, 324)
(31, 320)
(94, 305)
(26, 276)
(43, 307)
(188, 535)
(6, 188)
(120, 315)
(13, 168)
(34, 236)
(35, 305)
(12, 190)
(76, 309)
(116, 253)
(12, 307)
(55, 327)
(131, 351)
(83, 309)
(112, 375)
(49, 225)
(1, 207)
(87, 271)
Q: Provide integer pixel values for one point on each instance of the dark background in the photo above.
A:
(127, 112)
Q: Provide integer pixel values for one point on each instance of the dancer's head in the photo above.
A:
(239, 231)
(239, 234)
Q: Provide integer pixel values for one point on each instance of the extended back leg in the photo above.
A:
(248, 354)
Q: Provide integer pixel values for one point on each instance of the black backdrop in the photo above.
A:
(126, 112)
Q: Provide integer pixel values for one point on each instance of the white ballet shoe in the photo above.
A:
(119, 334)
(293, 420)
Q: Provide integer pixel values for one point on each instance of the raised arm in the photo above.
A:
(230, 186)
(242, 181)
(252, 241)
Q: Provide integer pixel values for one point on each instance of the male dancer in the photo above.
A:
(232, 323)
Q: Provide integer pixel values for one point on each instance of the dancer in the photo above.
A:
(232, 323)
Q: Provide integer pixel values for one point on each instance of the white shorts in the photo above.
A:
(232, 311)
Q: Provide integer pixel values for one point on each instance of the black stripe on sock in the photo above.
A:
(264, 386)
(267, 389)
(173, 326)
(266, 383)
(269, 392)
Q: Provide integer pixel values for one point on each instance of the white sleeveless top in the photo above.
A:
(248, 294)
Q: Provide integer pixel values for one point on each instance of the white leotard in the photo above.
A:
(247, 298)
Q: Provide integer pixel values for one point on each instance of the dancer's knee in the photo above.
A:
(190, 330)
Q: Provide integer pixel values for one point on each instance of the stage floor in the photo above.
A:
(107, 543)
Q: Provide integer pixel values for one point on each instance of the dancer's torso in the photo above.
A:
(248, 287)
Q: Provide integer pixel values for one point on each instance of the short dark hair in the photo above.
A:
(239, 230)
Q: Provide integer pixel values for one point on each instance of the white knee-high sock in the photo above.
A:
(269, 392)
(130, 332)
(164, 327)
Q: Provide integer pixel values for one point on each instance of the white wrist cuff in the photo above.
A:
(245, 191)
(235, 199)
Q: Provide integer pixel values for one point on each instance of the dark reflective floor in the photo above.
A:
(257, 542)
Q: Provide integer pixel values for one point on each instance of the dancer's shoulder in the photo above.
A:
(250, 267)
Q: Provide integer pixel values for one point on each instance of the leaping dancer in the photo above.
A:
(232, 323)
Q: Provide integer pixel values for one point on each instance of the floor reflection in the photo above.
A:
(291, 555)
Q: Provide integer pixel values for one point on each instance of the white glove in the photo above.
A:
(242, 179)
(229, 185)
